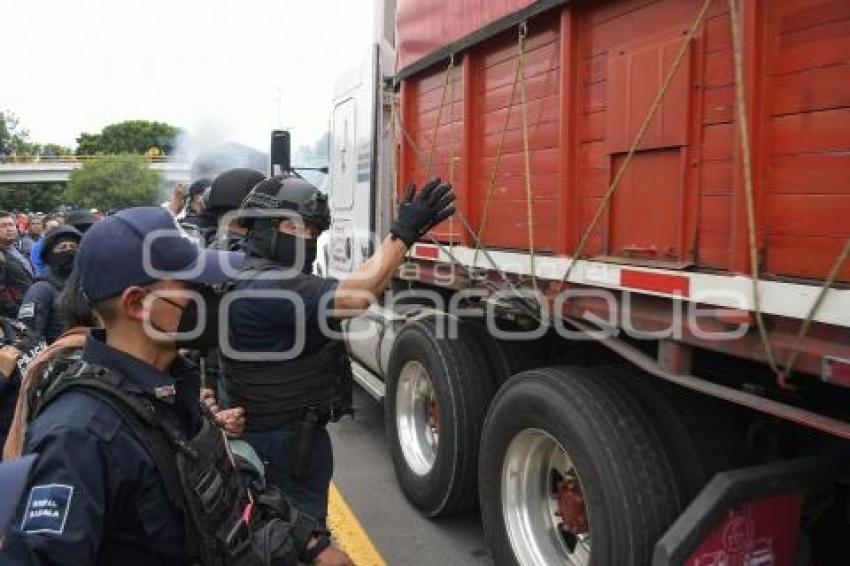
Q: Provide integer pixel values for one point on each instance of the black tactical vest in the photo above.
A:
(230, 517)
(275, 393)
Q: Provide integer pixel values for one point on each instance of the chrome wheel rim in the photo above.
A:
(417, 418)
(542, 502)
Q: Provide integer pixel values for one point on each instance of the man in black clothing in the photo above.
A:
(226, 194)
(288, 374)
(196, 216)
(39, 309)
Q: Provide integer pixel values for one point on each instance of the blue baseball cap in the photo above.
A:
(138, 246)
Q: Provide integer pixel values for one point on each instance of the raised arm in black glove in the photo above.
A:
(418, 213)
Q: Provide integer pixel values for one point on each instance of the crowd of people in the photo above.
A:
(165, 433)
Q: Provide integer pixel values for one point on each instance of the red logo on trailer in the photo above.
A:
(760, 533)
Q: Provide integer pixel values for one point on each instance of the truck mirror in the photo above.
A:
(280, 152)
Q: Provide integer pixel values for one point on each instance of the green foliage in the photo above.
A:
(88, 144)
(54, 149)
(32, 197)
(133, 136)
(14, 139)
(114, 181)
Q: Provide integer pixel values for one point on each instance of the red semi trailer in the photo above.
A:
(631, 344)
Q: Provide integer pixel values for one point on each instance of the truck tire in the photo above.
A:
(699, 433)
(505, 358)
(437, 397)
(572, 471)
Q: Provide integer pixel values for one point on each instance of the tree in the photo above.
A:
(14, 138)
(88, 144)
(114, 181)
(31, 196)
(54, 149)
(133, 136)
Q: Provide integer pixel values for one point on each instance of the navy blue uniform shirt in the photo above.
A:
(292, 304)
(95, 495)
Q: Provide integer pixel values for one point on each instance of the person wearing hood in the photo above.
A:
(38, 309)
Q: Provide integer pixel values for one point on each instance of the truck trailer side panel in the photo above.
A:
(589, 74)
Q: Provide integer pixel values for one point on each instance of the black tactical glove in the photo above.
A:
(418, 213)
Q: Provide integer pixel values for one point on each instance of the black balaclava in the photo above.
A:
(282, 248)
(61, 263)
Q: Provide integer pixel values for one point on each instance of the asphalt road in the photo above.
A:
(363, 472)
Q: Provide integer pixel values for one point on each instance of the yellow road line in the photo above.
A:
(348, 533)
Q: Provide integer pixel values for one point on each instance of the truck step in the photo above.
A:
(371, 383)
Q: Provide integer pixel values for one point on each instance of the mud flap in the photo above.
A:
(747, 516)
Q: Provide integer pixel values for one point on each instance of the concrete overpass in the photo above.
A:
(58, 169)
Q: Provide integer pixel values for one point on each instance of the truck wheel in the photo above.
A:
(699, 434)
(437, 398)
(573, 472)
(505, 358)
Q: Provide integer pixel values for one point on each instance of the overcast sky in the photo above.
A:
(224, 70)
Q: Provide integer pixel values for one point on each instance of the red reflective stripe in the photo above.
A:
(658, 282)
(426, 252)
(837, 371)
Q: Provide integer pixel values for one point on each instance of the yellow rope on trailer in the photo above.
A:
(653, 110)
(743, 120)
(496, 162)
(529, 198)
(394, 167)
(452, 142)
(393, 163)
(804, 328)
(448, 74)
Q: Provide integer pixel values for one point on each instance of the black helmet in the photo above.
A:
(291, 193)
(229, 189)
(81, 219)
(198, 186)
(64, 232)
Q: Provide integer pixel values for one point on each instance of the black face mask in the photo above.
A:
(189, 318)
(61, 263)
(285, 251)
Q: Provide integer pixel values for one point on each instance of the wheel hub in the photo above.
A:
(543, 506)
(417, 418)
(571, 508)
(434, 416)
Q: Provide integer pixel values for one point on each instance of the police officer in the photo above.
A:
(39, 307)
(130, 470)
(290, 390)
(195, 214)
(226, 194)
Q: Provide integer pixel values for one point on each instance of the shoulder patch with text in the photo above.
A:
(27, 310)
(47, 508)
